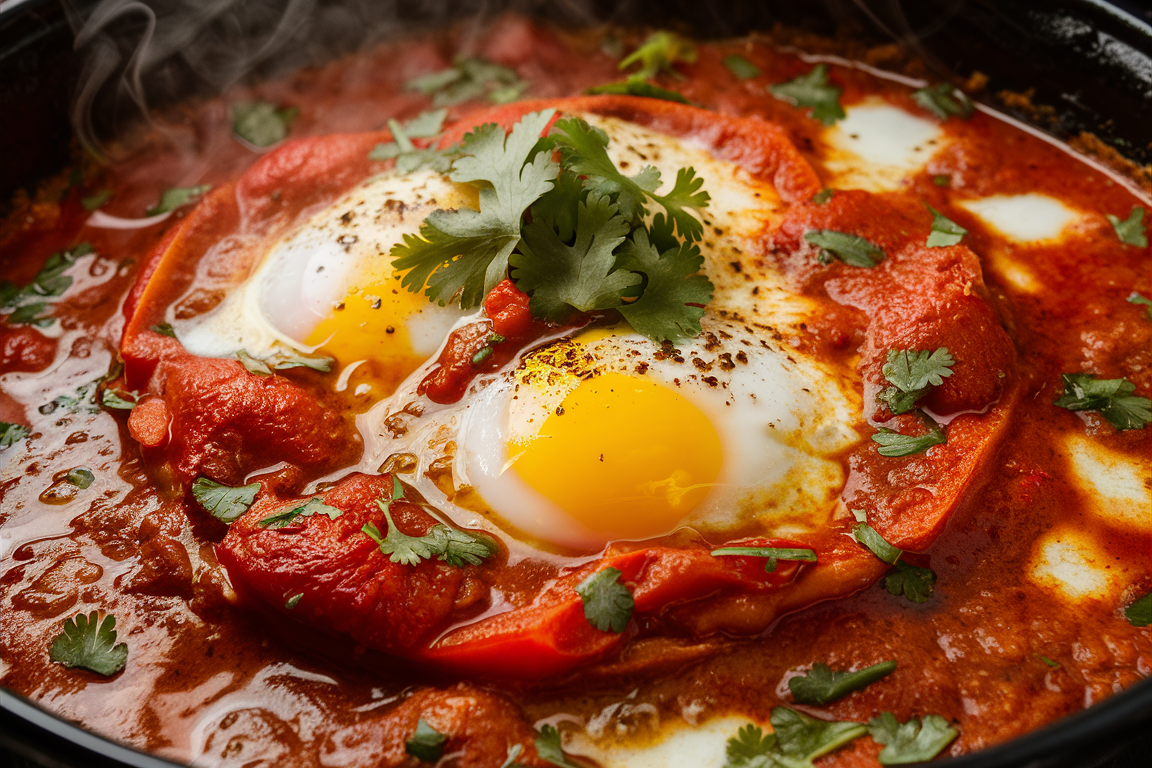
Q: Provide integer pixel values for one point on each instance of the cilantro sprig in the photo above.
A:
(1113, 398)
(896, 444)
(224, 502)
(550, 748)
(470, 78)
(408, 156)
(28, 303)
(797, 739)
(915, 583)
(912, 742)
(261, 123)
(771, 553)
(450, 545)
(608, 604)
(656, 55)
(307, 509)
(912, 373)
(944, 100)
(813, 90)
(588, 245)
(89, 642)
(1130, 230)
(822, 684)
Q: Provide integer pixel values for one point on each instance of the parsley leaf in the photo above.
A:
(813, 90)
(90, 643)
(11, 434)
(80, 477)
(850, 249)
(426, 744)
(944, 101)
(632, 87)
(262, 124)
(95, 200)
(470, 78)
(224, 502)
(1139, 613)
(452, 546)
(608, 604)
(582, 275)
(772, 553)
(465, 253)
(1131, 229)
(674, 294)
(876, 544)
(911, 742)
(1113, 398)
(945, 232)
(309, 508)
(912, 372)
(822, 685)
(1135, 298)
(740, 67)
(895, 444)
(913, 582)
(171, 199)
(550, 748)
(806, 738)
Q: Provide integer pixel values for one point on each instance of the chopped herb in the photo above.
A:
(94, 201)
(637, 88)
(895, 444)
(942, 180)
(912, 742)
(79, 477)
(658, 54)
(513, 753)
(876, 544)
(31, 314)
(772, 553)
(822, 684)
(813, 90)
(912, 373)
(408, 156)
(823, 196)
(608, 604)
(550, 748)
(1048, 662)
(913, 582)
(452, 546)
(1131, 229)
(307, 509)
(171, 199)
(164, 329)
(751, 748)
(426, 744)
(1113, 398)
(90, 643)
(50, 282)
(253, 365)
(850, 249)
(11, 434)
(945, 232)
(224, 502)
(293, 601)
(740, 67)
(482, 355)
(262, 124)
(110, 399)
(1139, 613)
(1135, 298)
(320, 363)
(470, 78)
(805, 738)
(944, 101)
(84, 397)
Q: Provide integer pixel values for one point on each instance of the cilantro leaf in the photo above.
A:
(470, 78)
(772, 553)
(426, 744)
(750, 747)
(822, 685)
(551, 749)
(1131, 229)
(307, 509)
(583, 275)
(804, 737)
(945, 232)
(823, 196)
(913, 582)
(513, 753)
(224, 502)
(30, 314)
(850, 249)
(80, 477)
(95, 200)
(10, 433)
(90, 643)
(561, 204)
(1139, 613)
(912, 742)
(641, 88)
(895, 444)
(1135, 298)
(608, 604)
(110, 399)
(658, 53)
(293, 601)
(465, 253)
(944, 101)
(262, 124)
(320, 363)
(740, 67)
(408, 156)
(253, 365)
(876, 544)
(49, 282)
(1113, 398)
(813, 90)
(1048, 662)
(674, 295)
(454, 547)
(912, 372)
(171, 199)
(164, 329)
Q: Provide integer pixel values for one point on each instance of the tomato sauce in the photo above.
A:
(343, 676)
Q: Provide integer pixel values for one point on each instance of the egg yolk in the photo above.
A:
(624, 456)
(371, 324)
